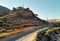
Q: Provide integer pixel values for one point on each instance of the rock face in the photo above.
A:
(3, 10)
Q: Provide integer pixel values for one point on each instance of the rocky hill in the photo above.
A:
(20, 17)
(3, 10)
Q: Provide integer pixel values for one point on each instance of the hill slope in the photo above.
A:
(21, 17)
(3, 10)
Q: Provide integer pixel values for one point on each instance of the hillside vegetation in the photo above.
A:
(20, 17)
(51, 34)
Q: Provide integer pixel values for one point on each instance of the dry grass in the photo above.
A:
(52, 30)
(48, 34)
(15, 31)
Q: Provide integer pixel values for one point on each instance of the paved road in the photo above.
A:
(20, 35)
(30, 36)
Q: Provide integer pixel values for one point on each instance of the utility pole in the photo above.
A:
(47, 19)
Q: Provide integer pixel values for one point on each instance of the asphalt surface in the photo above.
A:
(19, 35)
(31, 36)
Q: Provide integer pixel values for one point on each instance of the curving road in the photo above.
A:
(30, 36)
(20, 36)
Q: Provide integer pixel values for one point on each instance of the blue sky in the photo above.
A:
(44, 8)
